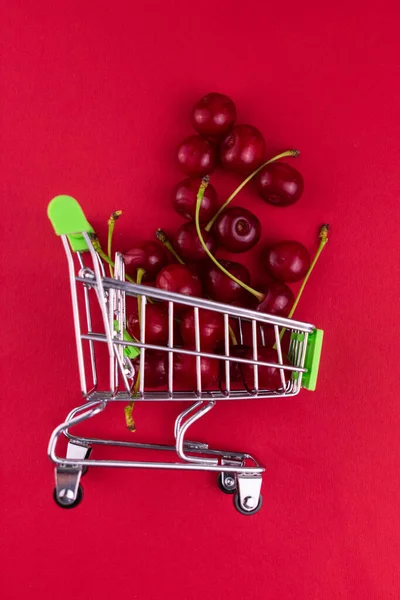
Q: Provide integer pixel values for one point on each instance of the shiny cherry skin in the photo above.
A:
(185, 199)
(222, 288)
(268, 377)
(155, 368)
(242, 150)
(196, 156)
(287, 261)
(214, 115)
(156, 330)
(185, 371)
(211, 328)
(239, 350)
(278, 300)
(237, 229)
(187, 244)
(179, 279)
(150, 256)
(279, 184)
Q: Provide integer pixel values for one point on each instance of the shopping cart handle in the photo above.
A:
(312, 359)
(68, 218)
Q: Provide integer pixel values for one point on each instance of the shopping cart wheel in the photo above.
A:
(227, 483)
(65, 503)
(246, 511)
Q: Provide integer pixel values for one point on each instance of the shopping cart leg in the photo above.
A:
(68, 492)
(79, 451)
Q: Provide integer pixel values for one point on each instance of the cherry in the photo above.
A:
(239, 350)
(278, 300)
(185, 196)
(211, 328)
(185, 371)
(196, 156)
(287, 261)
(187, 244)
(155, 368)
(243, 149)
(280, 184)
(222, 288)
(214, 115)
(237, 229)
(179, 279)
(156, 329)
(149, 256)
(268, 377)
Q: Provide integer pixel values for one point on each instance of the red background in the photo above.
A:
(94, 98)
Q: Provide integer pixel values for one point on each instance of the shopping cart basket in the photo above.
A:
(238, 472)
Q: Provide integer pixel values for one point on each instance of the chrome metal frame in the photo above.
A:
(239, 471)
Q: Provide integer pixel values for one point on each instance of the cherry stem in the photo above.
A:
(323, 236)
(139, 277)
(163, 238)
(200, 195)
(233, 336)
(103, 255)
(111, 225)
(293, 153)
(130, 423)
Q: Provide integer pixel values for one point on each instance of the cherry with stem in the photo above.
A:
(260, 297)
(285, 154)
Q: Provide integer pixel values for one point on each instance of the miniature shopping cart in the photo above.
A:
(92, 291)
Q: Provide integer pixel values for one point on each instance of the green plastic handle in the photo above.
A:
(312, 360)
(129, 351)
(68, 218)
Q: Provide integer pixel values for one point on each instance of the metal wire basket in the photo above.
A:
(238, 472)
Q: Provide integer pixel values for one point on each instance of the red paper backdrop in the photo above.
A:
(94, 98)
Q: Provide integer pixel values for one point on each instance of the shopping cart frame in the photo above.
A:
(239, 473)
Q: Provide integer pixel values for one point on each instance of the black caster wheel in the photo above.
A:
(64, 503)
(243, 511)
(227, 483)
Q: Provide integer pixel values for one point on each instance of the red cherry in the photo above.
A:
(185, 371)
(222, 288)
(239, 350)
(185, 198)
(278, 300)
(196, 156)
(156, 330)
(214, 115)
(287, 261)
(179, 279)
(268, 377)
(237, 229)
(155, 368)
(187, 244)
(211, 327)
(243, 149)
(150, 256)
(280, 184)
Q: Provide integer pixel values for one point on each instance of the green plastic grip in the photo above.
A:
(312, 360)
(68, 218)
(130, 351)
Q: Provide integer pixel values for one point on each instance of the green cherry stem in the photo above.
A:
(200, 195)
(323, 237)
(163, 238)
(293, 153)
(103, 255)
(111, 225)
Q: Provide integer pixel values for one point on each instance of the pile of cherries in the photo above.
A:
(189, 270)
